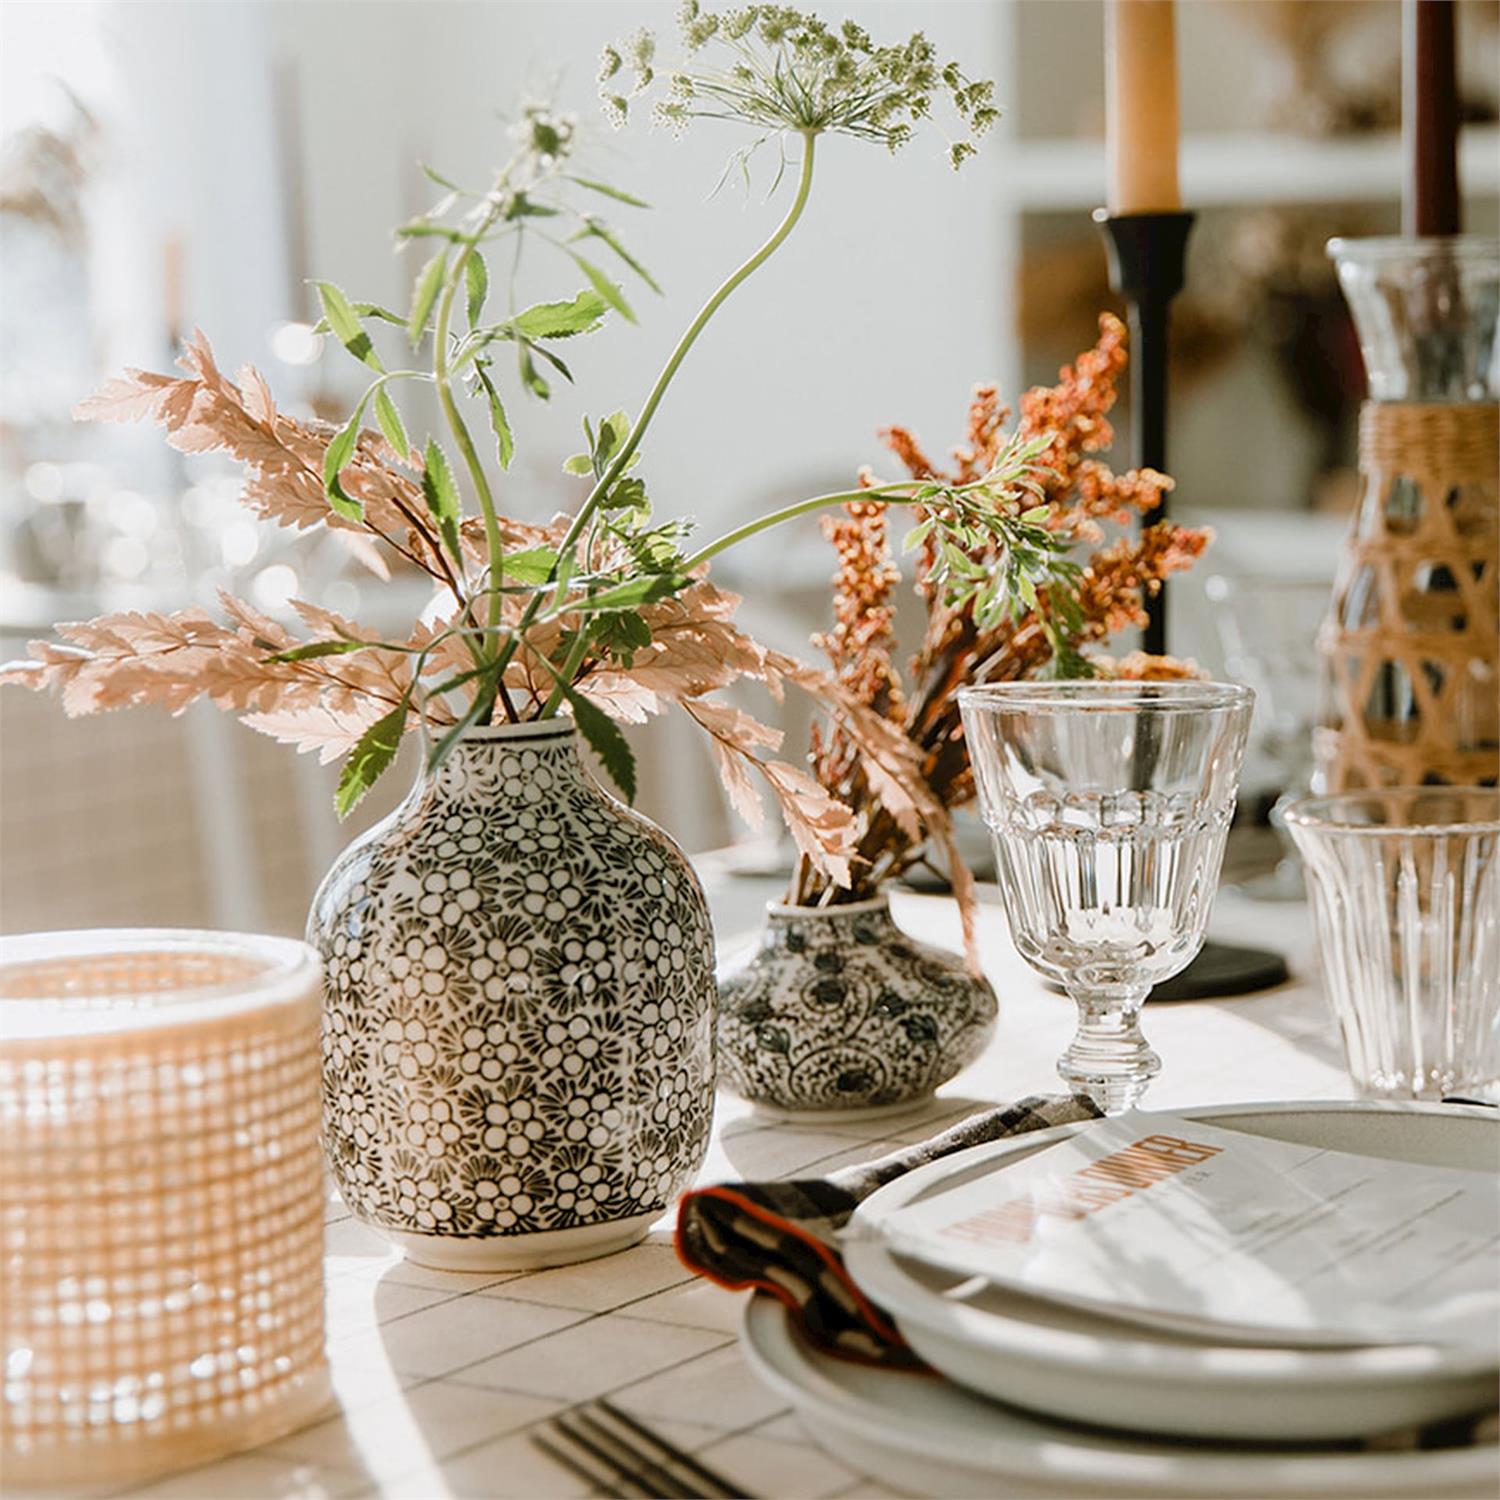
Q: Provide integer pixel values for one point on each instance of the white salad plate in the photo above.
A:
(925, 1436)
(1082, 1366)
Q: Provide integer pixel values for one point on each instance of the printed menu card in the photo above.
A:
(1163, 1220)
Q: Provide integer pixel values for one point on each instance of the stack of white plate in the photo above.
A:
(1218, 1406)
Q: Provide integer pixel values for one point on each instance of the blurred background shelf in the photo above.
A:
(1243, 168)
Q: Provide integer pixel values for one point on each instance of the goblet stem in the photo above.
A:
(1108, 1059)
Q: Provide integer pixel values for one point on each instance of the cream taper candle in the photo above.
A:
(1140, 75)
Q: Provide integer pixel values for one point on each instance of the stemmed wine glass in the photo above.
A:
(1109, 803)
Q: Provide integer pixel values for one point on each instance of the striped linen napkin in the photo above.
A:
(781, 1237)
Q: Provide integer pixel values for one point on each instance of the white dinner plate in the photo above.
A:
(1083, 1366)
(925, 1436)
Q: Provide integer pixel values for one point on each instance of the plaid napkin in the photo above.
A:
(781, 1236)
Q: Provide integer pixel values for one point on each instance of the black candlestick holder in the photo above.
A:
(1147, 267)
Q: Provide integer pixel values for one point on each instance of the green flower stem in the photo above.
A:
(627, 450)
(881, 494)
(568, 670)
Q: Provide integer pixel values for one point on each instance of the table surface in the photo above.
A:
(440, 1377)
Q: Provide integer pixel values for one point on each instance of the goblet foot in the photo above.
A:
(1108, 1059)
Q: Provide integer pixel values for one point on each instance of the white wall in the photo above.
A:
(884, 305)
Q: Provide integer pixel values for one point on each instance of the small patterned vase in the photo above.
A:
(518, 1064)
(838, 1011)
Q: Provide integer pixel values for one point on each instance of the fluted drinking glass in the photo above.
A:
(1109, 803)
(1406, 896)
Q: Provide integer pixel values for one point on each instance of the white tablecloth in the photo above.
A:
(439, 1376)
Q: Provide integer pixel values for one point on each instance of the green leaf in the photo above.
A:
(609, 192)
(532, 378)
(522, 207)
(390, 423)
(628, 494)
(605, 738)
(1036, 514)
(543, 352)
(314, 649)
(338, 453)
(423, 229)
(371, 756)
(499, 422)
(533, 565)
(433, 175)
(344, 322)
(560, 320)
(477, 280)
(364, 310)
(633, 592)
(578, 463)
(604, 286)
(601, 231)
(424, 294)
(441, 494)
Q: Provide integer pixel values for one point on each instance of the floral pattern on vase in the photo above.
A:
(518, 1029)
(837, 1009)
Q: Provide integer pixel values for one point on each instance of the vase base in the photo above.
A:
(781, 1116)
(519, 1252)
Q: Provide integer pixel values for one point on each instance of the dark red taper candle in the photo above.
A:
(1429, 118)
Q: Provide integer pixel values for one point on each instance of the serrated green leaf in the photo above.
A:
(441, 494)
(337, 454)
(604, 286)
(628, 494)
(604, 737)
(477, 283)
(599, 230)
(532, 565)
(560, 320)
(364, 310)
(375, 750)
(609, 192)
(424, 293)
(390, 423)
(345, 324)
(499, 423)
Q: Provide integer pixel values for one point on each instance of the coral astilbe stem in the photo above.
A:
(1080, 492)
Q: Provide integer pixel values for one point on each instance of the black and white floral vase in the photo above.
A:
(840, 1012)
(518, 1051)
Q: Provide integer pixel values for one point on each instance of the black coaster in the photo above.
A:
(1222, 969)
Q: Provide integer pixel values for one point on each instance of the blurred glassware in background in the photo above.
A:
(1268, 626)
(1406, 893)
(1411, 644)
(1109, 803)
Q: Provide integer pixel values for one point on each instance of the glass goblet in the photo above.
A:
(1109, 803)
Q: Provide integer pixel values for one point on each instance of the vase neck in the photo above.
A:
(503, 759)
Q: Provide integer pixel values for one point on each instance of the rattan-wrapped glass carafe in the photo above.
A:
(1411, 692)
(161, 1287)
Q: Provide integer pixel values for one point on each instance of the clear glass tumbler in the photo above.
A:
(1109, 803)
(1406, 894)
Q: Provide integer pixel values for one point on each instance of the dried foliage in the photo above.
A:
(901, 800)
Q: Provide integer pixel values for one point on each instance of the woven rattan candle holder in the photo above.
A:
(160, 1201)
